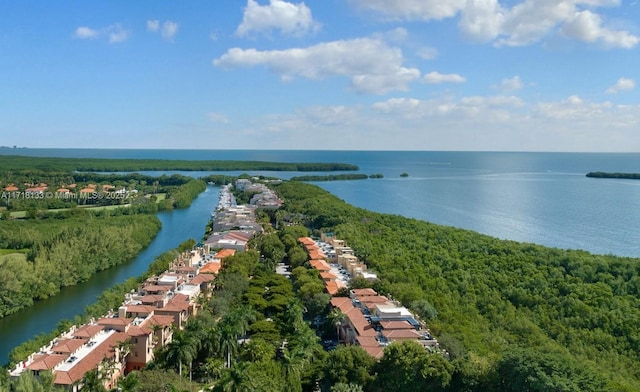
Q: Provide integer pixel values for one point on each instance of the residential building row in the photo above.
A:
(371, 321)
(127, 339)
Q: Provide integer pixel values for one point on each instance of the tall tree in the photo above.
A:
(407, 366)
(181, 349)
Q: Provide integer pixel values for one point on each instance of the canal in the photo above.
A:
(44, 316)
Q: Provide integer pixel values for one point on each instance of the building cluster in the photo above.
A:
(371, 321)
(128, 339)
(35, 189)
(335, 262)
(234, 225)
(262, 196)
(374, 321)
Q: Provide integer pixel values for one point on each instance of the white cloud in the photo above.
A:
(428, 53)
(115, 33)
(576, 109)
(497, 107)
(482, 20)
(288, 18)
(397, 35)
(372, 65)
(84, 32)
(500, 122)
(153, 25)
(217, 118)
(412, 9)
(436, 78)
(512, 23)
(587, 26)
(169, 30)
(621, 85)
(509, 85)
(531, 21)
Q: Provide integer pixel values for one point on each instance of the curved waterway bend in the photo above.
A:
(44, 316)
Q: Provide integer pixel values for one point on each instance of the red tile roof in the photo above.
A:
(202, 278)
(331, 287)
(153, 288)
(327, 275)
(320, 265)
(342, 303)
(144, 309)
(389, 325)
(135, 330)
(306, 240)
(364, 292)
(90, 361)
(212, 267)
(376, 352)
(114, 321)
(401, 334)
(224, 253)
(159, 319)
(88, 331)
(68, 345)
(371, 346)
(46, 361)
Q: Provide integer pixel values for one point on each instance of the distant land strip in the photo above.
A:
(45, 164)
(628, 176)
(336, 177)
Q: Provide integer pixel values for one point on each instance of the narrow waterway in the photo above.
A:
(43, 316)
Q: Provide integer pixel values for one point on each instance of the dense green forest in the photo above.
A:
(41, 164)
(50, 254)
(629, 176)
(511, 314)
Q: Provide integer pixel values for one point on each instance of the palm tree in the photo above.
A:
(181, 349)
(240, 318)
(237, 378)
(92, 382)
(129, 383)
(294, 315)
(155, 328)
(123, 348)
(294, 362)
(228, 337)
(233, 326)
(337, 318)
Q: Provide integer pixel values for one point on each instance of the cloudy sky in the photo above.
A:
(517, 75)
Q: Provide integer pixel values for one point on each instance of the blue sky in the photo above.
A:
(522, 75)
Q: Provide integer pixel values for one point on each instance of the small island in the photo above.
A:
(404, 175)
(627, 176)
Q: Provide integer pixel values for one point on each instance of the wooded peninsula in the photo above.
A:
(16, 162)
(629, 176)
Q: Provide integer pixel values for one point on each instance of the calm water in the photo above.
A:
(177, 226)
(542, 198)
